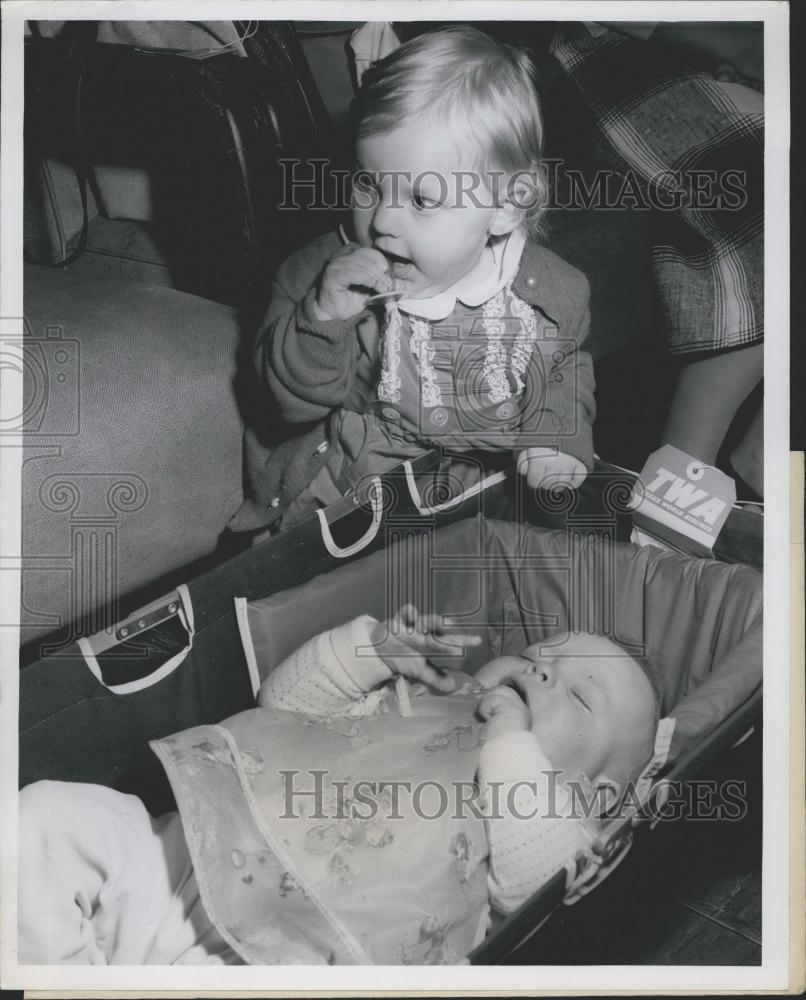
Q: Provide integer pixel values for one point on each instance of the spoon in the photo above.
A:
(394, 293)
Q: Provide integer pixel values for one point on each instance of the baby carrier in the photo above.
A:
(88, 710)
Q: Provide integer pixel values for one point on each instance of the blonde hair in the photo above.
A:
(486, 87)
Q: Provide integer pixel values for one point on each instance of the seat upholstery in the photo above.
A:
(132, 463)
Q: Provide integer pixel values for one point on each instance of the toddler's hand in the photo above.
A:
(504, 712)
(545, 467)
(349, 279)
(405, 642)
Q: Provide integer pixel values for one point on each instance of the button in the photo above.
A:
(558, 357)
(439, 416)
(558, 377)
(531, 282)
(390, 413)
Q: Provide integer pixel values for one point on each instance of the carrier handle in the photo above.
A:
(479, 487)
(597, 862)
(91, 646)
(376, 500)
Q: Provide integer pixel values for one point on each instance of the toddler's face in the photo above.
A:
(406, 204)
(592, 706)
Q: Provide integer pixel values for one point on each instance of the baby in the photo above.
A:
(439, 321)
(312, 828)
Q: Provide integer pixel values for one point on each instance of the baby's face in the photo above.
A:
(592, 706)
(408, 207)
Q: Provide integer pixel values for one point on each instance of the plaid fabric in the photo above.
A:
(658, 121)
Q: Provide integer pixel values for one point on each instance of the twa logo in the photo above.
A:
(681, 493)
(678, 497)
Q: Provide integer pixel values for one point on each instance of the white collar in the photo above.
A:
(469, 289)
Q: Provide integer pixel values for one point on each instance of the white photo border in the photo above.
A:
(774, 972)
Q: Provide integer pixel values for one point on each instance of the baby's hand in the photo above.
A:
(349, 279)
(504, 712)
(405, 642)
(545, 467)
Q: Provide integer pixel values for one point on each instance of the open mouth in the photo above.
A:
(397, 264)
(515, 681)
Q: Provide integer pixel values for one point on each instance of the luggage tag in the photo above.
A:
(681, 500)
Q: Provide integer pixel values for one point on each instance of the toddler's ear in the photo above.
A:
(506, 218)
(520, 195)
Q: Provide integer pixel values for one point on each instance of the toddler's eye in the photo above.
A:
(364, 181)
(575, 694)
(423, 202)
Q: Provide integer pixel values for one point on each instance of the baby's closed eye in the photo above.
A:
(579, 697)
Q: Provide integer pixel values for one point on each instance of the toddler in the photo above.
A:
(312, 829)
(440, 321)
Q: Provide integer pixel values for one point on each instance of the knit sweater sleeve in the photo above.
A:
(306, 363)
(531, 830)
(328, 674)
